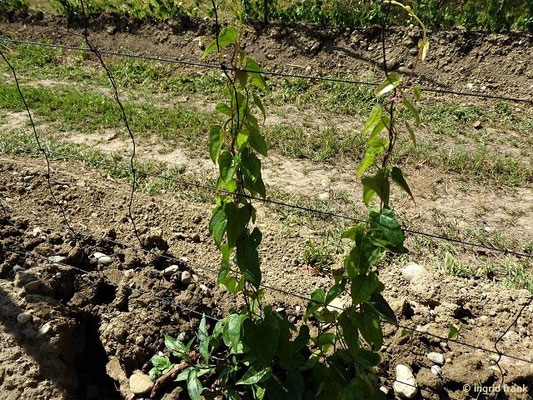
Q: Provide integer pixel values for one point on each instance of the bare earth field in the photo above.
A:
(83, 335)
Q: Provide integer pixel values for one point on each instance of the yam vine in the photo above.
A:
(256, 352)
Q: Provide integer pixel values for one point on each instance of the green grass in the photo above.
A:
(149, 90)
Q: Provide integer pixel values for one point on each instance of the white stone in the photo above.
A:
(32, 286)
(437, 358)
(140, 383)
(323, 196)
(43, 330)
(36, 232)
(405, 383)
(413, 272)
(168, 272)
(129, 273)
(204, 289)
(102, 258)
(186, 277)
(23, 317)
(57, 259)
(436, 370)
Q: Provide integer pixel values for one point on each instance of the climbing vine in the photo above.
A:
(257, 352)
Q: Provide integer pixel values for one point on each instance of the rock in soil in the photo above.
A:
(140, 383)
(405, 384)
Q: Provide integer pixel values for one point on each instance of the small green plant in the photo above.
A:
(320, 255)
(14, 5)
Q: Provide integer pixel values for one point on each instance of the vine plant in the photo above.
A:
(256, 352)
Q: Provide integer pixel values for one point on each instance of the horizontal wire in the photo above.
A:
(307, 298)
(277, 202)
(264, 72)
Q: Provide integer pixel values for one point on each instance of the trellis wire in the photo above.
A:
(273, 201)
(438, 90)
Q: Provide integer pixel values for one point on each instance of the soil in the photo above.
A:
(89, 332)
(115, 316)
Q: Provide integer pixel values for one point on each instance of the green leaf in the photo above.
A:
(388, 226)
(223, 109)
(203, 337)
(369, 326)
(368, 358)
(226, 36)
(397, 176)
(362, 256)
(326, 341)
(391, 82)
(412, 109)
(334, 291)
(262, 338)
(378, 184)
(349, 331)
(378, 302)
(423, 46)
(257, 78)
(453, 332)
(182, 376)
(257, 141)
(416, 93)
(363, 286)
(153, 374)
(251, 166)
(216, 138)
(252, 376)
(350, 233)
(217, 225)
(411, 132)
(238, 219)
(232, 331)
(373, 118)
(370, 157)
(194, 387)
(176, 347)
(248, 257)
(259, 103)
(160, 362)
(228, 165)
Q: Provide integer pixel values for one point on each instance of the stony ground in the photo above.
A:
(119, 307)
(67, 334)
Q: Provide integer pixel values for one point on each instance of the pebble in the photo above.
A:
(140, 383)
(186, 277)
(405, 384)
(102, 258)
(44, 330)
(129, 273)
(204, 289)
(413, 272)
(17, 268)
(169, 271)
(23, 317)
(32, 286)
(323, 196)
(436, 370)
(437, 358)
(384, 389)
(57, 259)
(36, 232)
